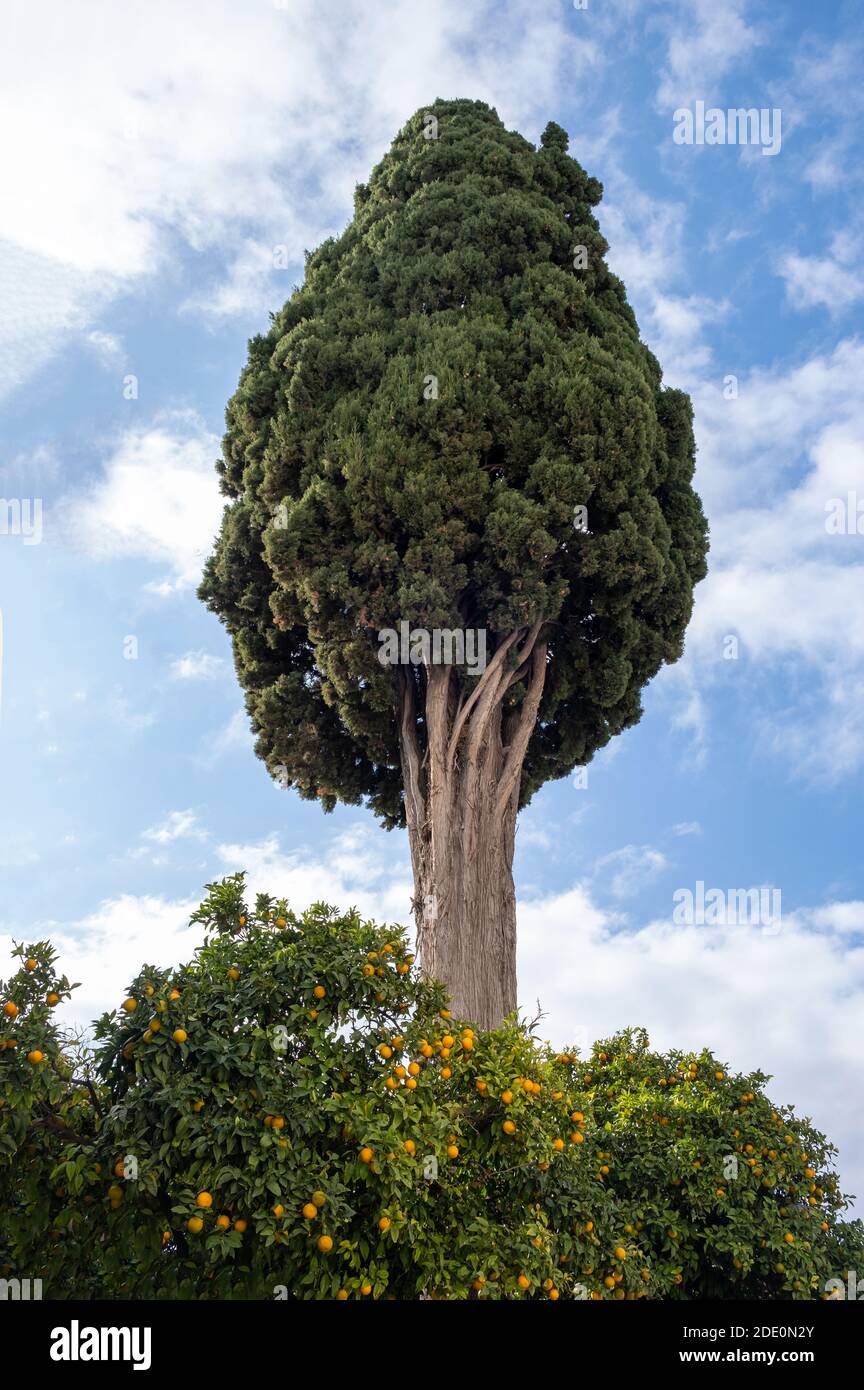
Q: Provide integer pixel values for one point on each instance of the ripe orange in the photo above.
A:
(30, 964)
(319, 991)
(10, 1010)
(130, 1005)
(195, 1224)
(452, 1151)
(577, 1117)
(414, 1069)
(280, 922)
(789, 1238)
(35, 1057)
(115, 1193)
(410, 1147)
(233, 973)
(204, 1200)
(310, 1211)
(278, 1122)
(240, 1225)
(446, 1072)
(578, 1138)
(278, 1211)
(366, 1154)
(558, 1144)
(384, 1223)
(180, 1035)
(609, 1281)
(509, 1127)
(523, 1281)
(342, 1295)
(223, 1222)
(52, 999)
(175, 994)
(365, 1289)
(620, 1253)
(506, 1097)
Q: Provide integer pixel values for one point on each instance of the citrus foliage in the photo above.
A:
(294, 1112)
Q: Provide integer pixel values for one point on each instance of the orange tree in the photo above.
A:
(295, 1114)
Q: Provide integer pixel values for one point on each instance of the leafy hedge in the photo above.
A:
(295, 1114)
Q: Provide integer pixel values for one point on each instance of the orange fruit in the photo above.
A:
(578, 1138)
(35, 1057)
(452, 1151)
(366, 1154)
(365, 1289)
(233, 973)
(319, 991)
(523, 1281)
(223, 1222)
(278, 1122)
(278, 1211)
(384, 1223)
(52, 999)
(180, 1035)
(558, 1144)
(619, 1252)
(342, 1295)
(506, 1097)
(10, 1010)
(319, 1198)
(410, 1147)
(509, 1127)
(130, 1005)
(30, 964)
(446, 1072)
(115, 1193)
(204, 1200)
(310, 1211)
(195, 1224)
(240, 1225)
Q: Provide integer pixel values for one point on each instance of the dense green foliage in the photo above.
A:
(410, 440)
(626, 1174)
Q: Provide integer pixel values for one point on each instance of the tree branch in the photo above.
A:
(480, 689)
(411, 762)
(518, 745)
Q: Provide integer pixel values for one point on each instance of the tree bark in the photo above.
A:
(462, 757)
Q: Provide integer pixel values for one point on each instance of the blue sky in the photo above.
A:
(155, 166)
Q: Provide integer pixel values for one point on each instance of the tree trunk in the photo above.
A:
(462, 756)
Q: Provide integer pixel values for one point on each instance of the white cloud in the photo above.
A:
(633, 866)
(210, 128)
(233, 735)
(197, 666)
(687, 827)
(157, 499)
(706, 41)
(814, 280)
(177, 825)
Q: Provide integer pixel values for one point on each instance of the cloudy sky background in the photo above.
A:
(152, 159)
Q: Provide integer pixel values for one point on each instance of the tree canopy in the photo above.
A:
(411, 438)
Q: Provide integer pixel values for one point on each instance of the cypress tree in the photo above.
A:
(453, 424)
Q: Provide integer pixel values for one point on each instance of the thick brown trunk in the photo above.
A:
(462, 780)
